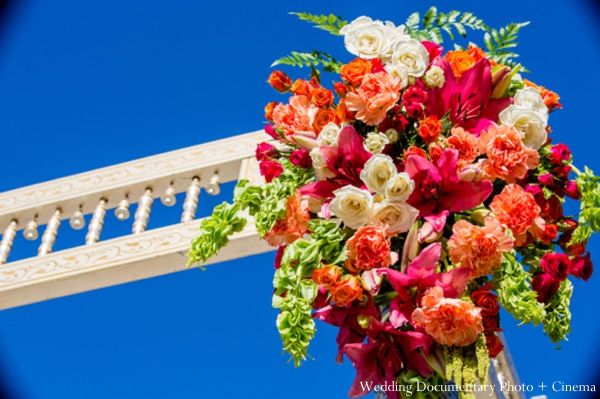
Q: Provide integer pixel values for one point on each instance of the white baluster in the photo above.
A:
(142, 213)
(190, 205)
(8, 237)
(122, 211)
(49, 236)
(97, 223)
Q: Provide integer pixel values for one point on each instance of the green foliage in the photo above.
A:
(557, 323)
(435, 22)
(500, 42)
(296, 326)
(215, 231)
(330, 23)
(312, 59)
(293, 278)
(465, 364)
(512, 283)
(589, 195)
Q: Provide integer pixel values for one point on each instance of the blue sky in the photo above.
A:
(89, 84)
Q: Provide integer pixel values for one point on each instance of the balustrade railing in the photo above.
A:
(94, 263)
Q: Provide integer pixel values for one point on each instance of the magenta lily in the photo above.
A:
(438, 188)
(347, 320)
(346, 160)
(421, 274)
(466, 100)
(386, 352)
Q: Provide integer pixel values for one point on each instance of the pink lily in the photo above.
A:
(347, 320)
(346, 161)
(421, 274)
(467, 99)
(386, 352)
(438, 189)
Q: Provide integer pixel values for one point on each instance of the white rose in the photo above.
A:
(375, 142)
(413, 55)
(400, 71)
(392, 135)
(329, 135)
(319, 164)
(531, 98)
(399, 216)
(399, 187)
(352, 205)
(366, 38)
(377, 171)
(393, 35)
(527, 122)
(435, 77)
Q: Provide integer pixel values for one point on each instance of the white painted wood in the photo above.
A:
(112, 183)
(120, 260)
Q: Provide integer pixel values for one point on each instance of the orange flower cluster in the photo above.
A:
(449, 321)
(293, 226)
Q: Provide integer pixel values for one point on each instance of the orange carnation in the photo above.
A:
(460, 62)
(369, 248)
(466, 145)
(507, 157)
(327, 276)
(479, 248)
(550, 98)
(293, 225)
(346, 291)
(322, 117)
(321, 97)
(448, 321)
(430, 129)
(292, 117)
(374, 97)
(516, 209)
(355, 71)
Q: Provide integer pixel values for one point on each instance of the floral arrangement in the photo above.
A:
(412, 199)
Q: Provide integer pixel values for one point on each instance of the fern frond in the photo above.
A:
(435, 22)
(312, 59)
(499, 43)
(330, 23)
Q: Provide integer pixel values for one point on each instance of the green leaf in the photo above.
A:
(330, 23)
(434, 23)
(312, 59)
(498, 41)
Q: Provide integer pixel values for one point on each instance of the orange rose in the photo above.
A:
(301, 87)
(460, 61)
(430, 129)
(340, 89)
(323, 117)
(327, 276)
(355, 71)
(414, 151)
(435, 151)
(321, 97)
(269, 110)
(347, 291)
(280, 81)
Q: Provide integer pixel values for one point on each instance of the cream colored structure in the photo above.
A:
(144, 253)
(133, 257)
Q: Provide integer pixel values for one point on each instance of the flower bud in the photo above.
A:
(306, 140)
(500, 81)
(428, 234)
(340, 89)
(363, 321)
(280, 81)
(479, 215)
(371, 281)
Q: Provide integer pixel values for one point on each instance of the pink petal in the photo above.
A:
(424, 265)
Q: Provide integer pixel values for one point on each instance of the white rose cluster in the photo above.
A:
(529, 116)
(357, 207)
(403, 55)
